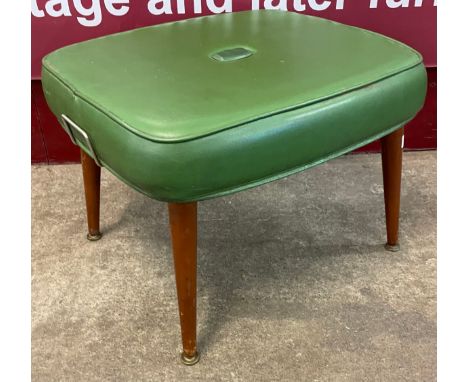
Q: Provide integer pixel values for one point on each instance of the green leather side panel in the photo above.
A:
(162, 83)
(248, 155)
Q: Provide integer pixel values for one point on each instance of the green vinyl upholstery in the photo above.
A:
(204, 107)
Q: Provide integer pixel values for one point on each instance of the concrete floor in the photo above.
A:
(294, 283)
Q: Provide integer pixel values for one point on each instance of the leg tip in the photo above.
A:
(94, 237)
(392, 248)
(189, 361)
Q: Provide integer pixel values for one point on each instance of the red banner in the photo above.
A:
(56, 23)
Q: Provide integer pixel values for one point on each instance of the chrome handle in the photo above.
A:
(71, 126)
(232, 54)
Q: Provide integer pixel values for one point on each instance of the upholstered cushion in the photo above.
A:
(200, 108)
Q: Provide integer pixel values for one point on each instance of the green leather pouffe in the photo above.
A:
(205, 107)
(200, 108)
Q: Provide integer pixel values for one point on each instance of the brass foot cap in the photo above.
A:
(189, 361)
(94, 237)
(392, 248)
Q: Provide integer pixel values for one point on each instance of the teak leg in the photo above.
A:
(92, 183)
(183, 220)
(392, 155)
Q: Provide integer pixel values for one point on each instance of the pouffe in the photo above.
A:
(202, 108)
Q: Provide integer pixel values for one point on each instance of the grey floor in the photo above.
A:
(294, 283)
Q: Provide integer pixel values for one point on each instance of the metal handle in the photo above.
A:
(232, 54)
(71, 126)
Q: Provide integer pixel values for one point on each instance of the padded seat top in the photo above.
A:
(205, 107)
(165, 84)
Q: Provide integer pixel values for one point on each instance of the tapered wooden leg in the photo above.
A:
(183, 220)
(392, 155)
(92, 185)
